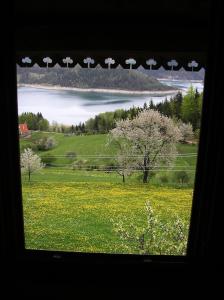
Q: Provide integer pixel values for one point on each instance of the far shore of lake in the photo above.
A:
(113, 91)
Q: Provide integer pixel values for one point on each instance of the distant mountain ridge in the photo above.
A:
(95, 78)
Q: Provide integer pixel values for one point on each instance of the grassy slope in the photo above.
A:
(93, 145)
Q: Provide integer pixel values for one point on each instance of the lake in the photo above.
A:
(72, 107)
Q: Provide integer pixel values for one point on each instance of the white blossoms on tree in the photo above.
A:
(186, 131)
(155, 236)
(30, 162)
(125, 164)
(152, 138)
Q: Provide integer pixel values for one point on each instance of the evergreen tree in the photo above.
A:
(176, 103)
(190, 111)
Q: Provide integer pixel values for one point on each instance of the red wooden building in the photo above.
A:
(23, 129)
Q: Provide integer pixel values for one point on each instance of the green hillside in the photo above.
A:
(92, 152)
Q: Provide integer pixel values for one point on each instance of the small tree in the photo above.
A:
(191, 108)
(155, 237)
(30, 162)
(186, 131)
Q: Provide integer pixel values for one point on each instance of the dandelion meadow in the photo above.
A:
(76, 216)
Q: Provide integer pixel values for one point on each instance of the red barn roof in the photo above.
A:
(23, 128)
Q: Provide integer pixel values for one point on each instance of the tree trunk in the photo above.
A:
(123, 178)
(145, 176)
(146, 169)
(29, 175)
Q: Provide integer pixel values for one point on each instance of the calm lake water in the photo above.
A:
(71, 107)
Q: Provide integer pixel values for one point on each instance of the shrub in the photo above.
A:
(79, 165)
(109, 167)
(197, 134)
(93, 167)
(46, 143)
(182, 177)
(71, 155)
(163, 178)
(48, 159)
(152, 174)
(155, 237)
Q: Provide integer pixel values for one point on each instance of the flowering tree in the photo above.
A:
(186, 130)
(30, 162)
(151, 137)
(125, 163)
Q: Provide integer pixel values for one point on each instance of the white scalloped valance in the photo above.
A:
(110, 60)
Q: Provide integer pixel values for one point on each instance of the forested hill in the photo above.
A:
(97, 78)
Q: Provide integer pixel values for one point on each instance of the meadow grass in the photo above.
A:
(88, 146)
(76, 216)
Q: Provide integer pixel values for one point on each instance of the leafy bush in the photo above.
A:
(93, 167)
(109, 167)
(48, 159)
(182, 177)
(197, 134)
(79, 165)
(152, 174)
(71, 155)
(46, 143)
(163, 178)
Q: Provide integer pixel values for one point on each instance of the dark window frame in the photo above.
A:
(100, 257)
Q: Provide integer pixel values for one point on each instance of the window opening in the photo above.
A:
(108, 155)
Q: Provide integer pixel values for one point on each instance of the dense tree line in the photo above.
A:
(34, 121)
(185, 108)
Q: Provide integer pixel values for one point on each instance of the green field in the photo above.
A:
(93, 150)
(71, 210)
